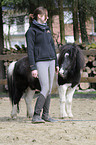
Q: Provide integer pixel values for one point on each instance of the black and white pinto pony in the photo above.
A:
(20, 80)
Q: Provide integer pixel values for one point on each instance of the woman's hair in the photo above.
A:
(39, 10)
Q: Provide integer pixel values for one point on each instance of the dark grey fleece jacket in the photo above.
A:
(40, 44)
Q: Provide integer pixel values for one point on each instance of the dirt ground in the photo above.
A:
(79, 131)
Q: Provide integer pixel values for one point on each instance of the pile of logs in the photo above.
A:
(89, 71)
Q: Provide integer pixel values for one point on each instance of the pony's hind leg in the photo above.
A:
(28, 100)
(15, 106)
(69, 96)
(14, 111)
(62, 95)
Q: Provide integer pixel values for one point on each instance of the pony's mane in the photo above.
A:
(76, 55)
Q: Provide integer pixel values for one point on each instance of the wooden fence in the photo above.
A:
(11, 57)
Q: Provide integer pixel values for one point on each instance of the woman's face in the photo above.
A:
(42, 18)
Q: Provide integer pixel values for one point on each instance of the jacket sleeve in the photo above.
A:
(30, 39)
(52, 43)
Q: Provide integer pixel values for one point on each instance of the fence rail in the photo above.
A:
(11, 57)
(83, 79)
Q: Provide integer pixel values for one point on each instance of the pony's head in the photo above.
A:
(65, 64)
(69, 59)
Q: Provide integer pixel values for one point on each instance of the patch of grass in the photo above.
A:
(54, 96)
(3, 94)
(93, 92)
(94, 98)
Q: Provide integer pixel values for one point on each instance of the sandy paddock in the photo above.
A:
(79, 131)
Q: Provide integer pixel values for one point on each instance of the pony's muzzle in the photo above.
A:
(63, 72)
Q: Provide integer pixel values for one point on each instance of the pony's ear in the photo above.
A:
(60, 59)
(61, 55)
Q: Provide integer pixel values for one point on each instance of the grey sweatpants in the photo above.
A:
(46, 72)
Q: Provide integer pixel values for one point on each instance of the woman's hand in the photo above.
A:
(35, 73)
(57, 69)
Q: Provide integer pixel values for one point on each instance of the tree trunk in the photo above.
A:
(75, 20)
(50, 9)
(1, 31)
(50, 22)
(82, 19)
(61, 21)
(9, 36)
(2, 72)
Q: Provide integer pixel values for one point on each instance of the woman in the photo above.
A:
(42, 60)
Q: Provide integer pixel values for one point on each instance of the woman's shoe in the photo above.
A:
(37, 119)
(48, 119)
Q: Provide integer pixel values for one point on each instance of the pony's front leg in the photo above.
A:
(28, 100)
(62, 95)
(69, 95)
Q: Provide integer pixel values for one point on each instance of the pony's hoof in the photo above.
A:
(13, 116)
(63, 116)
(29, 115)
(70, 115)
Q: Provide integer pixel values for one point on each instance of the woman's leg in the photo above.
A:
(42, 68)
(46, 106)
(43, 75)
(51, 74)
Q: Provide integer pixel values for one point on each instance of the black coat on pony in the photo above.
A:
(20, 80)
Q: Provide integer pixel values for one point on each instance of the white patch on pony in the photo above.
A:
(58, 55)
(61, 70)
(28, 96)
(69, 96)
(66, 94)
(66, 54)
(62, 92)
(14, 112)
(11, 68)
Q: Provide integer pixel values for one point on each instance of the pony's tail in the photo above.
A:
(10, 80)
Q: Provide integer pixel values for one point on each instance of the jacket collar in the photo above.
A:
(41, 26)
